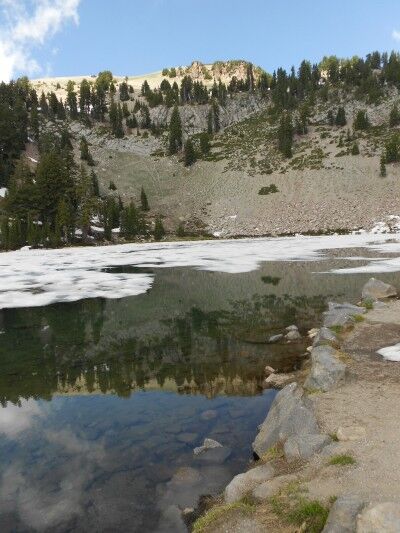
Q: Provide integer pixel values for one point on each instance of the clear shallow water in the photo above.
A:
(104, 400)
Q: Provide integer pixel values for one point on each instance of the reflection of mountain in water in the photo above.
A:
(194, 332)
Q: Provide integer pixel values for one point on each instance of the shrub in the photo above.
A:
(268, 190)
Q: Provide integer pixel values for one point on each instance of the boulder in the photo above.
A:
(351, 433)
(244, 483)
(341, 315)
(304, 446)
(375, 289)
(212, 452)
(275, 338)
(327, 371)
(378, 518)
(269, 488)
(269, 370)
(326, 336)
(278, 381)
(343, 514)
(292, 328)
(293, 335)
(290, 414)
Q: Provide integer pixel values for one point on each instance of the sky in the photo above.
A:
(82, 37)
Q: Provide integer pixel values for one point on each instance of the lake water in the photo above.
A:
(104, 399)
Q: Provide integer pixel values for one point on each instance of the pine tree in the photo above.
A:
(175, 132)
(159, 231)
(72, 102)
(34, 122)
(285, 135)
(361, 122)
(330, 118)
(205, 143)
(394, 117)
(189, 153)
(95, 184)
(85, 153)
(341, 117)
(143, 201)
(383, 166)
(355, 149)
(44, 107)
(123, 92)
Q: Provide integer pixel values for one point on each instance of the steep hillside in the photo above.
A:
(224, 150)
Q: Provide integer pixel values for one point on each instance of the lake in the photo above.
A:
(115, 362)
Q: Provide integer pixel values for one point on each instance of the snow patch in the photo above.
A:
(3, 192)
(390, 353)
(41, 277)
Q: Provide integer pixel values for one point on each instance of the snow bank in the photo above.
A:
(390, 353)
(40, 277)
(3, 192)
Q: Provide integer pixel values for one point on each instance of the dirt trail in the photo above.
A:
(370, 400)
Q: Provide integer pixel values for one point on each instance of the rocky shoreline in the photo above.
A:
(295, 454)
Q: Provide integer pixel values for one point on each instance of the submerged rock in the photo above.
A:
(208, 444)
(244, 483)
(289, 415)
(343, 514)
(327, 371)
(212, 452)
(375, 289)
(378, 518)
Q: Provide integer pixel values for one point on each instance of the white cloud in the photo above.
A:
(25, 24)
(396, 35)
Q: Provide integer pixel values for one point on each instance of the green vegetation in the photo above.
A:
(268, 190)
(219, 512)
(342, 460)
(175, 132)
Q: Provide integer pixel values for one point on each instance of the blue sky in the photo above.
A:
(135, 37)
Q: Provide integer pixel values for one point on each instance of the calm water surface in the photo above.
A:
(103, 401)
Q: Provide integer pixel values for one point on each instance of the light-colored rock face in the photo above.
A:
(375, 289)
(244, 483)
(304, 446)
(381, 518)
(278, 381)
(327, 371)
(289, 416)
(293, 335)
(343, 515)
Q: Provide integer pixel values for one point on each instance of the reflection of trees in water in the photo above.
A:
(48, 350)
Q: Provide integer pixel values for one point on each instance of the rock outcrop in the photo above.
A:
(376, 289)
(384, 517)
(343, 514)
(244, 483)
(290, 415)
(327, 371)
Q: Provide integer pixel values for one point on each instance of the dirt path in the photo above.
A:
(370, 399)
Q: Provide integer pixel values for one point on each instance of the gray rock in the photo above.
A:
(269, 488)
(375, 289)
(275, 338)
(341, 315)
(343, 514)
(290, 414)
(293, 335)
(214, 455)
(304, 446)
(244, 483)
(278, 381)
(187, 437)
(327, 371)
(208, 444)
(292, 328)
(326, 336)
(384, 517)
(209, 415)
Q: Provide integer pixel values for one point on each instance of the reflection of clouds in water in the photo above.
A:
(15, 419)
(43, 497)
